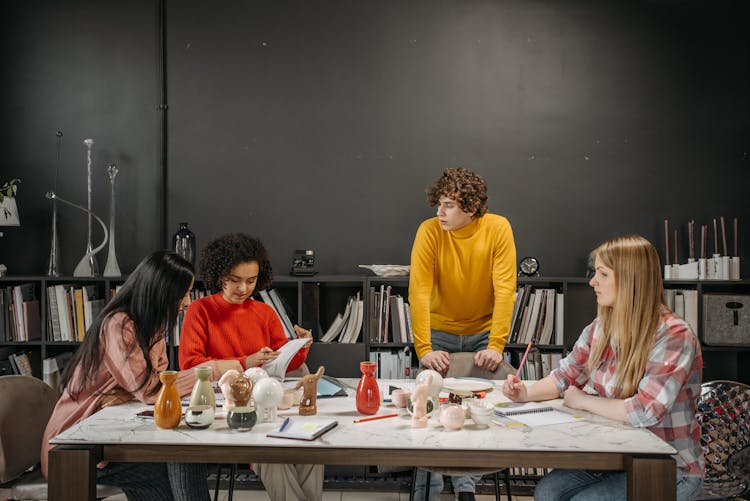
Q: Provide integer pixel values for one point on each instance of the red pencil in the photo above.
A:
(523, 360)
(373, 418)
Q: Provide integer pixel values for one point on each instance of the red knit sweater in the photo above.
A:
(216, 329)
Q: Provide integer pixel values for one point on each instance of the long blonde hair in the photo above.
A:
(633, 319)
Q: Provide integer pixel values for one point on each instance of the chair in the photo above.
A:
(25, 408)
(462, 365)
(724, 416)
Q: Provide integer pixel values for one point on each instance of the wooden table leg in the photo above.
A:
(651, 478)
(72, 473)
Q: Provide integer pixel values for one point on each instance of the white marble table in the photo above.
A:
(116, 434)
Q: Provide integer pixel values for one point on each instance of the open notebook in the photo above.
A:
(531, 413)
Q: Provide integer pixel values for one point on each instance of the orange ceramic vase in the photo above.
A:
(168, 408)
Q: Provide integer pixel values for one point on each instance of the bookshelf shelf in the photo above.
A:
(329, 294)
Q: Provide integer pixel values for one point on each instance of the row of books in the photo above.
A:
(19, 313)
(194, 294)
(393, 364)
(71, 310)
(390, 317)
(684, 302)
(346, 327)
(537, 317)
(539, 364)
(276, 301)
(20, 363)
(53, 367)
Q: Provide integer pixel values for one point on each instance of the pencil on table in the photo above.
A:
(373, 418)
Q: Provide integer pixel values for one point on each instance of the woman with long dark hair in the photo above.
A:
(119, 361)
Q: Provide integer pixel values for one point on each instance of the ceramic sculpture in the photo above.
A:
(309, 383)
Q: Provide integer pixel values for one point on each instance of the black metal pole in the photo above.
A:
(163, 108)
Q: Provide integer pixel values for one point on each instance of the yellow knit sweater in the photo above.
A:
(463, 281)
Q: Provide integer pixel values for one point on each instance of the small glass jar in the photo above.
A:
(241, 418)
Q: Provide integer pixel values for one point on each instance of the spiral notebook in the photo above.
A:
(533, 413)
(303, 428)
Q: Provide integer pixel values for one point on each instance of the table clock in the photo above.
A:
(528, 267)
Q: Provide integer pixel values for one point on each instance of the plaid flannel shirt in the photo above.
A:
(666, 398)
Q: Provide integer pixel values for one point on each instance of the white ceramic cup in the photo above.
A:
(399, 397)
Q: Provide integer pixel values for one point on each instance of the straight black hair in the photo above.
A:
(151, 298)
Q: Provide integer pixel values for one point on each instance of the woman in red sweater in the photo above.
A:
(231, 325)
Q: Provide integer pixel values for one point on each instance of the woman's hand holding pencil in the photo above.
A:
(513, 388)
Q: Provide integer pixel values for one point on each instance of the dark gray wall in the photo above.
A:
(318, 125)
(89, 69)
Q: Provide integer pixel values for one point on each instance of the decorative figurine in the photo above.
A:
(226, 388)
(419, 402)
(241, 417)
(452, 416)
(88, 266)
(267, 394)
(256, 374)
(308, 405)
(436, 381)
(112, 268)
(242, 389)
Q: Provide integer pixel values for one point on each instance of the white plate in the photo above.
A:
(464, 385)
(388, 270)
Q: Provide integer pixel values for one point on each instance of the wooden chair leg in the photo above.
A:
(427, 487)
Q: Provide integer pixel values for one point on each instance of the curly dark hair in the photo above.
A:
(227, 251)
(462, 185)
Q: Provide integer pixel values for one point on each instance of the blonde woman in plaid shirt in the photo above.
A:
(643, 364)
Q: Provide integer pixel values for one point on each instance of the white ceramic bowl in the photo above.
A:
(481, 413)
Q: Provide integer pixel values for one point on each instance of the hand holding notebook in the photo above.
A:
(277, 367)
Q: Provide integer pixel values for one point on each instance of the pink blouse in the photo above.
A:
(120, 374)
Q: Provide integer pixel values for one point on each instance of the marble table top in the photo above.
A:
(120, 425)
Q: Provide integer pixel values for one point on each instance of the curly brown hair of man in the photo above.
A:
(227, 251)
(462, 185)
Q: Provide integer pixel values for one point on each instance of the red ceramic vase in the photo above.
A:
(368, 393)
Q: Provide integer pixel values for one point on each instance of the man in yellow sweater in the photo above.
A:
(462, 284)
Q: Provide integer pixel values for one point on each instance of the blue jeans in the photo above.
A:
(588, 485)
(452, 343)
